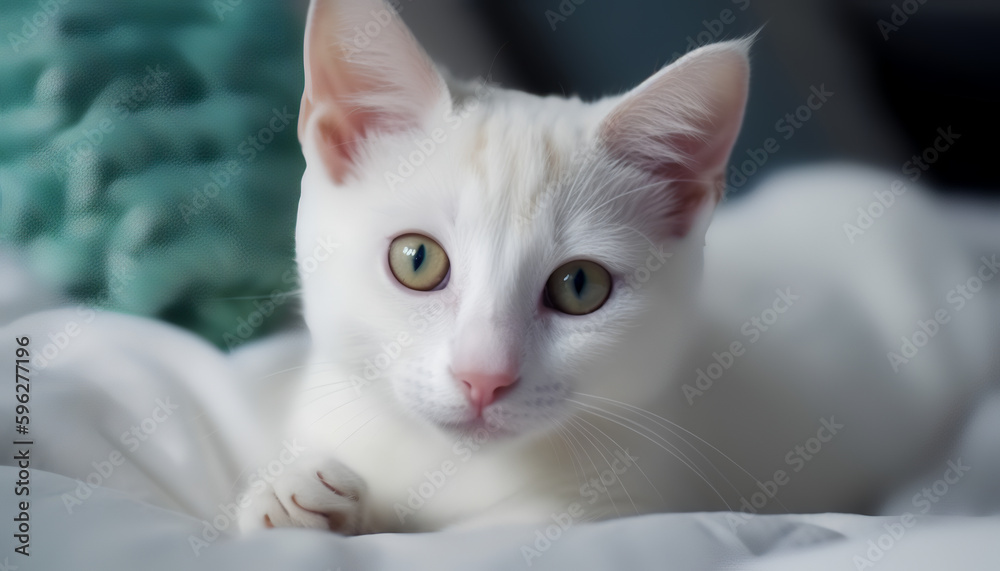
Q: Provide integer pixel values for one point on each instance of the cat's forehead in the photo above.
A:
(511, 178)
(521, 147)
(523, 179)
(537, 168)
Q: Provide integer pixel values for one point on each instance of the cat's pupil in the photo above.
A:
(418, 258)
(579, 281)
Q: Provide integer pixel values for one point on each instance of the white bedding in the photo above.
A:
(195, 409)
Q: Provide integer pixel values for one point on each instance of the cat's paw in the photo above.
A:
(323, 494)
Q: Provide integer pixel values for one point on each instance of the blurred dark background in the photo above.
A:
(107, 165)
(898, 70)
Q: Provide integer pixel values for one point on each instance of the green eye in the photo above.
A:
(578, 287)
(418, 262)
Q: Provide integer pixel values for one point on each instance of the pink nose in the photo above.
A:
(483, 388)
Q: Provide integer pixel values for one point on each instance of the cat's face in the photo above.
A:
(497, 252)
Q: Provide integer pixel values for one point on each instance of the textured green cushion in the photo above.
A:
(138, 166)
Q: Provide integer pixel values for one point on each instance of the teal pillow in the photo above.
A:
(148, 156)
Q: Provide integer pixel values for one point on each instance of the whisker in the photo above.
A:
(669, 451)
(348, 384)
(252, 297)
(624, 194)
(700, 439)
(330, 394)
(595, 442)
(653, 432)
(578, 469)
(334, 409)
(356, 430)
(597, 472)
(555, 449)
(232, 488)
(283, 371)
(612, 440)
(489, 74)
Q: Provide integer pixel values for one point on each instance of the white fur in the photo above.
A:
(523, 184)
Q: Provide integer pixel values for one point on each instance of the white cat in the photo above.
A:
(515, 324)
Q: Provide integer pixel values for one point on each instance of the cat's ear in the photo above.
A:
(680, 125)
(365, 73)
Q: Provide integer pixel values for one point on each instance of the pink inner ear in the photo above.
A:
(680, 126)
(687, 202)
(688, 190)
(388, 84)
(339, 138)
(677, 160)
(329, 81)
(336, 146)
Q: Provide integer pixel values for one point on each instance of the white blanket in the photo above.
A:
(141, 432)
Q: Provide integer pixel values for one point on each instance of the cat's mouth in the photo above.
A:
(481, 427)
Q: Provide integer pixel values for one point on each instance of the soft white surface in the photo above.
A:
(109, 376)
(113, 532)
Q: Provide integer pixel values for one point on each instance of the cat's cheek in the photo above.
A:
(418, 323)
(625, 292)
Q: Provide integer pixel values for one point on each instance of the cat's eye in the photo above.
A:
(418, 262)
(578, 287)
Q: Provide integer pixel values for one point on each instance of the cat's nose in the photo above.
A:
(484, 388)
